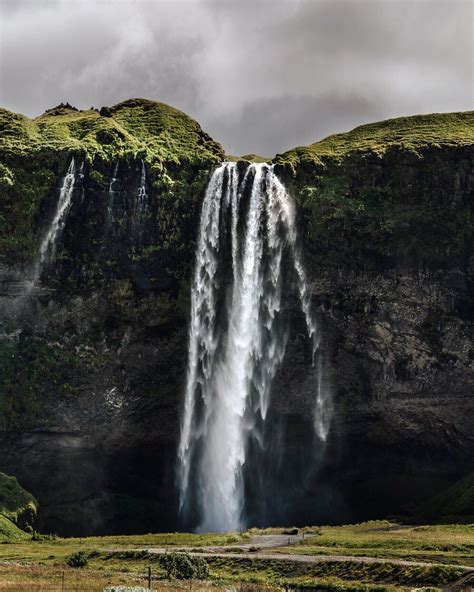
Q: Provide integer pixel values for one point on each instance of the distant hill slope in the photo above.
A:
(409, 133)
(9, 532)
(16, 504)
(136, 127)
(456, 504)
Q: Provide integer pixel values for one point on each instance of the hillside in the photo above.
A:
(136, 128)
(35, 153)
(93, 348)
(413, 134)
(456, 504)
(387, 193)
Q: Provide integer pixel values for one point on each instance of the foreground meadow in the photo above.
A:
(374, 556)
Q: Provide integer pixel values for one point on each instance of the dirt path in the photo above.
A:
(257, 545)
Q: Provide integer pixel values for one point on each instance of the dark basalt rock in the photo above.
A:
(105, 112)
(99, 351)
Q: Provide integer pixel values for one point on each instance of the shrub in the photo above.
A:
(78, 559)
(40, 537)
(182, 566)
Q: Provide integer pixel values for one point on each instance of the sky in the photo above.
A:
(261, 76)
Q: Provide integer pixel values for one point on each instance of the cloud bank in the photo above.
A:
(260, 76)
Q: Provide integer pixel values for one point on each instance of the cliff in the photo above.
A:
(93, 360)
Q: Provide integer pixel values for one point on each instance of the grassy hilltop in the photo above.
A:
(35, 153)
(391, 192)
(136, 128)
(414, 134)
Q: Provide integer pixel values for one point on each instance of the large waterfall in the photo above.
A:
(247, 257)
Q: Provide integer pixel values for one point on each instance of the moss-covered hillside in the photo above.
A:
(395, 192)
(35, 154)
(413, 134)
(93, 357)
(136, 128)
(16, 504)
(456, 504)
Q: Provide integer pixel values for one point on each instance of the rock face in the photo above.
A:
(93, 354)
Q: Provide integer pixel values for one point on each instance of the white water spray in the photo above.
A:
(237, 336)
(111, 195)
(140, 204)
(49, 244)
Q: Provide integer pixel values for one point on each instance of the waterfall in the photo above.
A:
(50, 241)
(140, 205)
(237, 336)
(111, 195)
(323, 408)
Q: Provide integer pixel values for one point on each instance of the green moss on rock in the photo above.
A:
(35, 154)
(35, 375)
(9, 532)
(387, 193)
(408, 133)
(454, 505)
(137, 127)
(16, 504)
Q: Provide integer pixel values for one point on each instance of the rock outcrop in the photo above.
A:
(93, 353)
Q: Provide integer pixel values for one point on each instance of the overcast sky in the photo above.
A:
(260, 76)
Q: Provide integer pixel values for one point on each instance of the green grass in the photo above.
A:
(247, 157)
(35, 154)
(383, 193)
(410, 133)
(9, 532)
(16, 504)
(456, 504)
(331, 573)
(448, 544)
(136, 128)
(126, 558)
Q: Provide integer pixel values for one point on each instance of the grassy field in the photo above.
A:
(449, 544)
(245, 563)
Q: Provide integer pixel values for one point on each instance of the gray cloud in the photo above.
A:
(260, 76)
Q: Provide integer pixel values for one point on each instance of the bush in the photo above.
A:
(40, 537)
(78, 559)
(182, 566)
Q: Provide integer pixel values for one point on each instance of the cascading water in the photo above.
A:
(237, 335)
(111, 195)
(49, 244)
(140, 204)
(17, 305)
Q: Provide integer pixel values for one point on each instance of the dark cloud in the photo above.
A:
(261, 76)
(273, 125)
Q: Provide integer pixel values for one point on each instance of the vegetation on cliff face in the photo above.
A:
(136, 128)
(413, 134)
(110, 323)
(9, 532)
(18, 508)
(36, 375)
(35, 153)
(456, 504)
(386, 193)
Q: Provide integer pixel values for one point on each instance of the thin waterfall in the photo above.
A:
(237, 336)
(140, 204)
(323, 408)
(111, 195)
(50, 241)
